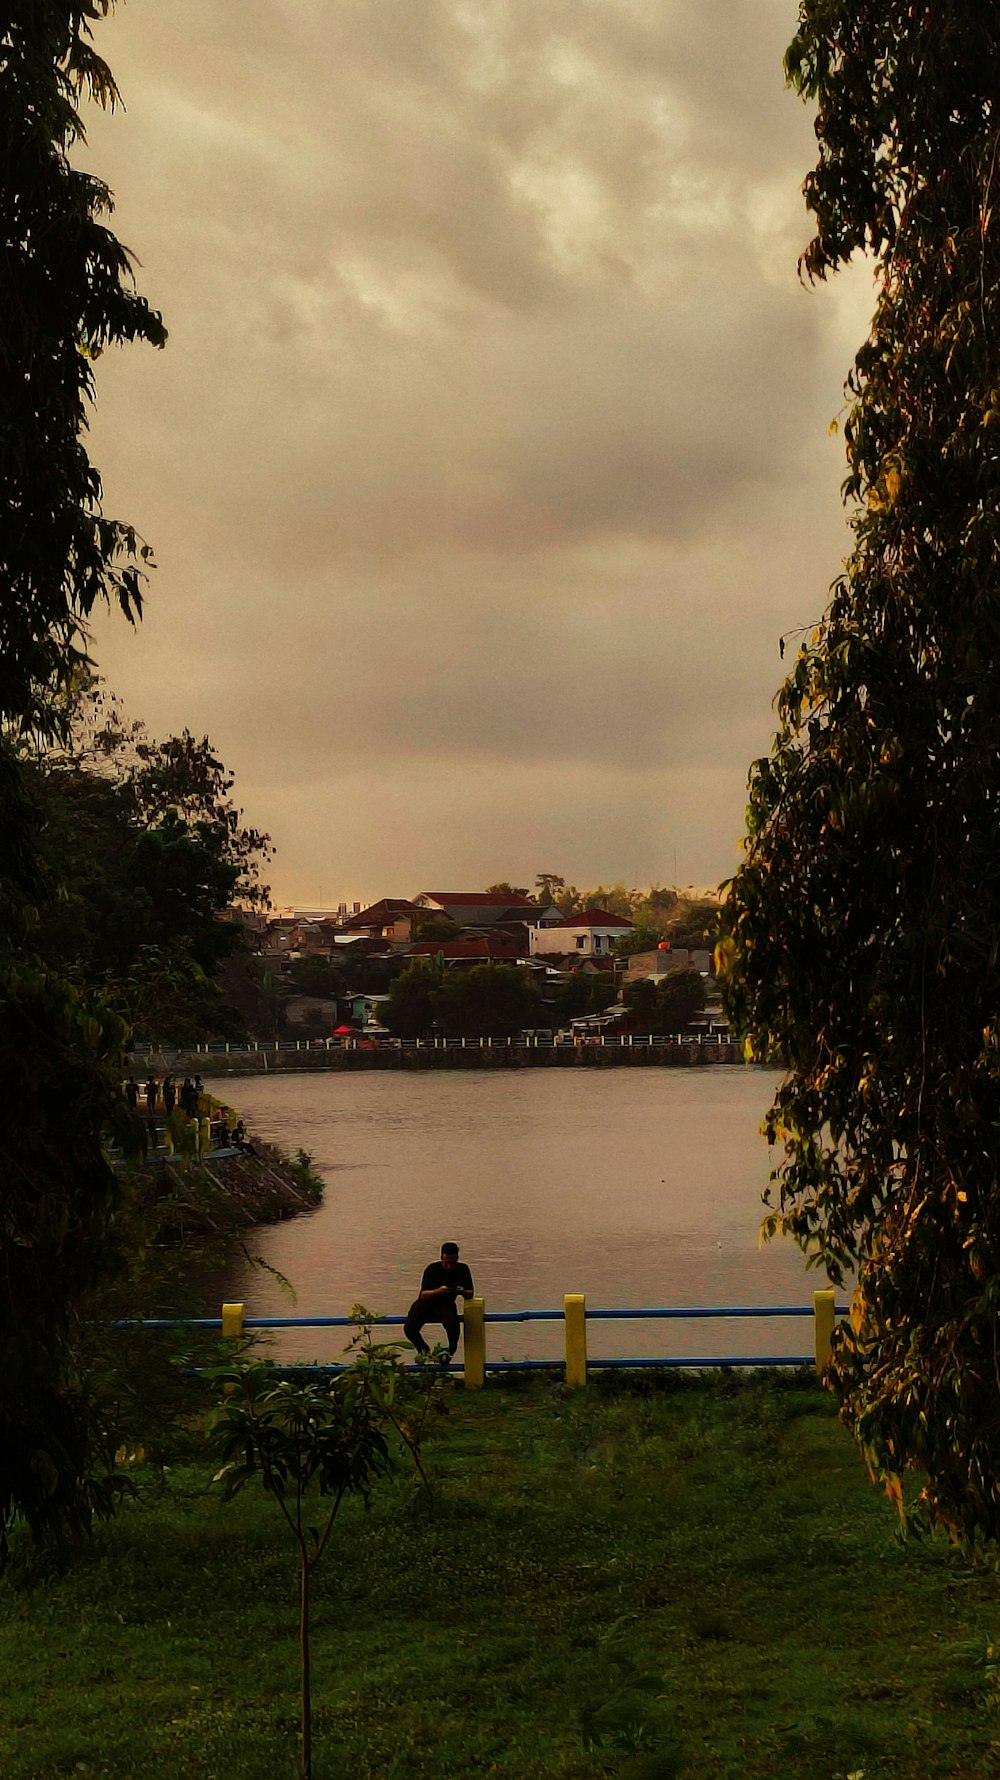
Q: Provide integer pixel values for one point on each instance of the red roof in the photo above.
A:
(481, 899)
(596, 918)
(487, 947)
(383, 911)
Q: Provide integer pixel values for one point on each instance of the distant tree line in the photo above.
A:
(502, 1000)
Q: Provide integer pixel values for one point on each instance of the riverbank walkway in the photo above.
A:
(288, 1054)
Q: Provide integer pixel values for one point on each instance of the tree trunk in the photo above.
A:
(304, 1655)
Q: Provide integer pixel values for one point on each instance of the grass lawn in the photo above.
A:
(696, 1568)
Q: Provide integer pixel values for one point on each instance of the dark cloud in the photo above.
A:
(487, 459)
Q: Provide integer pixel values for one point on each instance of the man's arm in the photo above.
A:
(429, 1291)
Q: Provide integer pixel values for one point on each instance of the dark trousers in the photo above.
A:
(432, 1310)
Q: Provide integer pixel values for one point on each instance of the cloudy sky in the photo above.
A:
(488, 457)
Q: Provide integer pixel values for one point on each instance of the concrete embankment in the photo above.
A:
(428, 1056)
(218, 1194)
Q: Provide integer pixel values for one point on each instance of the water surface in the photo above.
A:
(635, 1186)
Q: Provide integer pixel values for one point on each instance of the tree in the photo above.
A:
(569, 900)
(616, 898)
(679, 996)
(414, 999)
(661, 901)
(641, 939)
(488, 1001)
(694, 922)
(666, 1004)
(312, 974)
(59, 1065)
(546, 885)
(148, 850)
(862, 929)
(66, 292)
(433, 925)
(505, 889)
(584, 993)
(326, 1439)
(639, 997)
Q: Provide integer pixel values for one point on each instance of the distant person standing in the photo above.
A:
(169, 1094)
(151, 1091)
(189, 1099)
(132, 1093)
(444, 1282)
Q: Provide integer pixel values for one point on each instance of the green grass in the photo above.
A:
(703, 1564)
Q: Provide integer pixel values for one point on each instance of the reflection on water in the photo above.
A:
(637, 1187)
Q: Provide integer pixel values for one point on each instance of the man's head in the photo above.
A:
(449, 1254)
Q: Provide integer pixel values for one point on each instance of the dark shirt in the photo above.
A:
(453, 1277)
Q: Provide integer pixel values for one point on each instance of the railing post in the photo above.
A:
(204, 1135)
(474, 1319)
(232, 1330)
(575, 1312)
(824, 1317)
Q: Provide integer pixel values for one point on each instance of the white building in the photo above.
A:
(591, 934)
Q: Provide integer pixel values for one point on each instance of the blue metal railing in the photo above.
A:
(676, 1312)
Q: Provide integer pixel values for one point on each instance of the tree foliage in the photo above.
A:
(666, 1005)
(312, 1443)
(66, 292)
(414, 996)
(862, 929)
(488, 1001)
(312, 974)
(147, 849)
(584, 992)
(58, 1069)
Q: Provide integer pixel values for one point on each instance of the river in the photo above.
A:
(637, 1187)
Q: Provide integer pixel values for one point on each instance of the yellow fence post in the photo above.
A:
(575, 1312)
(232, 1322)
(475, 1343)
(204, 1135)
(824, 1317)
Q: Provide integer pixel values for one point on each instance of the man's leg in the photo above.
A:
(451, 1326)
(411, 1328)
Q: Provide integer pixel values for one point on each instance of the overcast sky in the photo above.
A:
(488, 457)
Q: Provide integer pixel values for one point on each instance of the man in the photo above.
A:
(444, 1282)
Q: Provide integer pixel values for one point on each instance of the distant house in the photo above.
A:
(590, 934)
(486, 948)
(657, 963)
(480, 908)
(365, 1011)
(317, 938)
(391, 919)
(560, 966)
